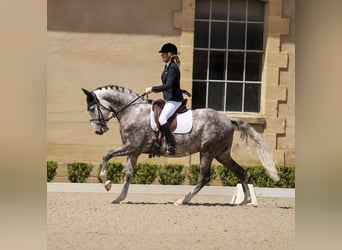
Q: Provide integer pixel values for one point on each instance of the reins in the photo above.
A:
(129, 104)
(115, 114)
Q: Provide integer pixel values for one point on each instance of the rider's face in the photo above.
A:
(165, 57)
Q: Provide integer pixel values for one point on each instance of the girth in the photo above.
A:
(157, 108)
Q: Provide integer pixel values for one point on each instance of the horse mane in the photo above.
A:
(119, 88)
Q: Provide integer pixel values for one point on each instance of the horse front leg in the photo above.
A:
(131, 163)
(103, 175)
(204, 178)
(107, 156)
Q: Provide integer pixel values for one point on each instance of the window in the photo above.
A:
(228, 55)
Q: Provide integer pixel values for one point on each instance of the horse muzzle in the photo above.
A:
(101, 130)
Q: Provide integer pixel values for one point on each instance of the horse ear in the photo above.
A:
(90, 97)
(86, 92)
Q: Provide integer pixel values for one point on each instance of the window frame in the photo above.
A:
(227, 51)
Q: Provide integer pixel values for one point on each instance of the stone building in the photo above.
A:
(237, 56)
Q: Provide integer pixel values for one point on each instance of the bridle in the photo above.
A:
(100, 119)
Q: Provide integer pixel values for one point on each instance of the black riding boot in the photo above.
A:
(170, 140)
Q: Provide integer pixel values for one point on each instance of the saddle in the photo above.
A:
(157, 108)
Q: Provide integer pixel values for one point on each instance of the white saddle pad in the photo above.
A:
(184, 122)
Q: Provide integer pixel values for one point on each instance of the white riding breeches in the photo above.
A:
(169, 109)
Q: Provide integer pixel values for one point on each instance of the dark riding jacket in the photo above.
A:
(171, 83)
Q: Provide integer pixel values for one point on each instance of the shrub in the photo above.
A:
(171, 174)
(51, 170)
(287, 176)
(226, 176)
(114, 172)
(257, 176)
(194, 173)
(79, 171)
(145, 173)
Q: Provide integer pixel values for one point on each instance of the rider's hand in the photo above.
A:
(148, 90)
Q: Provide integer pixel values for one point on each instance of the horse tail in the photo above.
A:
(263, 150)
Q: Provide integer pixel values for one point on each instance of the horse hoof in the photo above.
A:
(178, 202)
(108, 185)
(116, 201)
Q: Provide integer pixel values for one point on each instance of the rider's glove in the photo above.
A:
(148, 90)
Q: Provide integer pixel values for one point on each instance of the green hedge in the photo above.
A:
(227, 177)
(114, 172)
(257, 176)
(174, 174)
(79, 171)
(145, 173)
(171, 174)
(287, 176)
(193, 174)
(51, 170)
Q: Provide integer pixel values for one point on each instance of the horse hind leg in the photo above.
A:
(204, 178)
(131, 163)
(239, 172)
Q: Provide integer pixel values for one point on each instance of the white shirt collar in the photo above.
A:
(168, 63)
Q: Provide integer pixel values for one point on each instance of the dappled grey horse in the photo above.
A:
(211, 135)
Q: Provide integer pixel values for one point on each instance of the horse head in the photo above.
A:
(99, 113)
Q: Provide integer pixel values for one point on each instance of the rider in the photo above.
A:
(171, 91)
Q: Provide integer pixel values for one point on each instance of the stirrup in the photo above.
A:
(170, 149)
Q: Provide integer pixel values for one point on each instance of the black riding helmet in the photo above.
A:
(168, 47)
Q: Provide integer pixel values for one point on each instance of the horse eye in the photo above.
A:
(92, 109)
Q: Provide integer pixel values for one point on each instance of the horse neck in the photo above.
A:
(116, 97)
